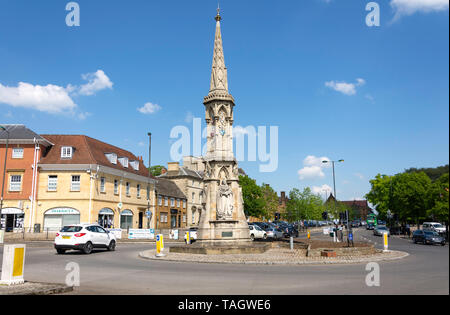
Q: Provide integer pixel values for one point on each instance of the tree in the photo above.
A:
(271, 201)
(156, 170)
(304, 205)
(252, 196)
(380, 194)
(434, 173)
(440, 199)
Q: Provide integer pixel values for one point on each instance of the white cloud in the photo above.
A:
(50, 98)
(149, 108)
(344, 87)
(313, 167)
(320, 190)
(96, 82)
(83, 116)
(359, 175)
(409, 7)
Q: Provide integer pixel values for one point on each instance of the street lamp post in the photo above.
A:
(149, 178)
(335, 197)
(4, 175)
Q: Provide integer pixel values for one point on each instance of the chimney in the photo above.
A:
(173, 166)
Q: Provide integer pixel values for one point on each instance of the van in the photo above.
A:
(433, 226)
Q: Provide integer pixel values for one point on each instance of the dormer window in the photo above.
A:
(66, 152)
(112, 157)
(123, 161)
(135, 165)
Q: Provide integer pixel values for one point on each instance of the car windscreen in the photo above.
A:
(431, 233)
(71, 229)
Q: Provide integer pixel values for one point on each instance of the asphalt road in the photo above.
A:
(425, 271)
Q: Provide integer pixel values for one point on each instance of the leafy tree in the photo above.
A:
(433, 172)
(156, 170)
(304, 205)
(381, 193)
(440, 195)
(253, 197)
(271, 201)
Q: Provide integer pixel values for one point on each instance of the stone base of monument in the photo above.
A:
(221, 248)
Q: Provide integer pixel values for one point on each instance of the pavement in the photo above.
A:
(424, 271)
(35, 288)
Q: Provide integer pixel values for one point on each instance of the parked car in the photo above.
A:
(434, 226)
(355, 224)
(290, 231)
(84, 238)
(192, 235)
(427, 237)
(256, 233)
(380, 230)
(274, 233)
(370, 226)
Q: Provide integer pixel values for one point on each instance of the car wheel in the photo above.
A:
(265, 237)
(112, 246)
(61, 251)
(88, 248)
(252, 237)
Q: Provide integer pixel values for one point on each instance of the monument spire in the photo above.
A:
(219, 77)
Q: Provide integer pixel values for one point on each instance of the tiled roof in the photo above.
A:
(21, 132)
(182, 172)
(89, 151)
(168, 188)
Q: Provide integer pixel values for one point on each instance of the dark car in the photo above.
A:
(289, 231)
(370, 226)
(427, 237)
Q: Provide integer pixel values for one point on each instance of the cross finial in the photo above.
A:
(218, 17)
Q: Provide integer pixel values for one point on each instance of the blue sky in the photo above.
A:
(375, 96)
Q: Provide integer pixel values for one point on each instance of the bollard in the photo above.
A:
(292, 243)
(386, 245)
(188, 238)
(13, 264)
(309, 235)
(2, 236)
(159, 245)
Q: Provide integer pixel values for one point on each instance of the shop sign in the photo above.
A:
(141, 234)
(62, 211)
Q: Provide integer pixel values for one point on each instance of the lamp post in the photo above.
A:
(149, 217)
(334, 187)
(4, 175)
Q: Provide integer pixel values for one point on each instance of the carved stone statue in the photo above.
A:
(225, 202)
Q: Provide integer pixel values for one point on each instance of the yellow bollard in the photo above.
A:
(159, 245)
(13, 264)
(309, 235)
(386, 245)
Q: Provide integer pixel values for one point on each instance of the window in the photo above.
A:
(102, 184)
(193, 197)
(76, 183)
(17, 153)
(164, 217)
(184, 218)
(135, 165)
(166, 201)
(127, 185)
(66, 152)
(178, 203)
(193, 217)
(159, 200)
(123, 161)
(184, 204)
(112, 157)
(139, 191)
(172, 202)
(15, 183)
(52, 183)
(201, 197)
(116, 187)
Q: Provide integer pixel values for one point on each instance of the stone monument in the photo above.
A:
(223, 221)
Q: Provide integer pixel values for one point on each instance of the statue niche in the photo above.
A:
(225, 200)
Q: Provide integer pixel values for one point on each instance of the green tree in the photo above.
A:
(252, 196)
(156, 170)
(271, 201)
(440, 200)
(381, 193)
(304, 205)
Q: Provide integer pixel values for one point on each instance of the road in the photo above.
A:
(425, 271)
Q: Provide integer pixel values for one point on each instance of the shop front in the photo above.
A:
(12, 219)
(126, 219)
(106, 218)
(56, 218)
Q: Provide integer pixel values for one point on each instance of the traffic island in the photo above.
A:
(34, 288)
(278, 253)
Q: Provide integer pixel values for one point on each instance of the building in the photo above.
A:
(189, 179)
(360, 208)
(171, 208)
(25, 149)
(84, 180)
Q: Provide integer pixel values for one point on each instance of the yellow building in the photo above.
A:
(84, 180)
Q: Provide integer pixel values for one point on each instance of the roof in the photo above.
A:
(182, 172)
(88, 150)
(21, 134)
(168, 188)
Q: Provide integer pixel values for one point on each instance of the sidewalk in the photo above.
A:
(34, 288)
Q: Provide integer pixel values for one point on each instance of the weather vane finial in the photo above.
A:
(218, 17)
